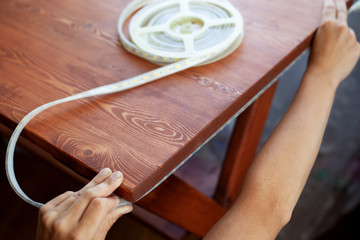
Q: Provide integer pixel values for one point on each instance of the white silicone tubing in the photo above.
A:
(355, 7)
(206, 30)
(176, 33)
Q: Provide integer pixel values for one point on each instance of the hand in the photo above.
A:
(335, 50)
(86, 214)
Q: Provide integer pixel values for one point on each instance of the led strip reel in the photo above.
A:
(176, 33)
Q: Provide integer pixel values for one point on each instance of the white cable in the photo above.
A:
(355, 7)
(179, 33)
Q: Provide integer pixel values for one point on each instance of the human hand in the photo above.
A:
(335, 50)
(86, 214)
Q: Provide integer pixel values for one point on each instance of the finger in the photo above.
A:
(49, 211)
(110, 219)
(108, 186)
(96, 213)
(47, 220)
(100, 177)
(101, 190)
(67, 203)
(329, 11)
(341, 12)
(56, 201)
(352, 32)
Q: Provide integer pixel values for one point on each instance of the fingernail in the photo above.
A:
(116, 175)
(104, 172)
(116, 197)
(127, 209)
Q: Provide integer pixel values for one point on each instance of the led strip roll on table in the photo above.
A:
(178, 34)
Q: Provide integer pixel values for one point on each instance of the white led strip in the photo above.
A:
(163, 41)
(355, 7)
(176, 33)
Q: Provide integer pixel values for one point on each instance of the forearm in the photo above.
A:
(279, 172)
(281, 168)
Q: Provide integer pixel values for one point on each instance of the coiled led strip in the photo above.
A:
(168, 31)
(176, 33)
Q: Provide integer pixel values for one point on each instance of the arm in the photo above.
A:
(280, 170)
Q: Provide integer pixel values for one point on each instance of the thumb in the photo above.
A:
(110, 219)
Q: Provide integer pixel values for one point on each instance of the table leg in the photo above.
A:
(242, 148)
(185, 206)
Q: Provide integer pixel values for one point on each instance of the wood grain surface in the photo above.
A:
(52, 49)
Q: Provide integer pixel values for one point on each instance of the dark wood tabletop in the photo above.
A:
(53, 49)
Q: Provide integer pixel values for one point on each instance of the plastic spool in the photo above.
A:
(179, 29)
(169, 31)
(176, 33)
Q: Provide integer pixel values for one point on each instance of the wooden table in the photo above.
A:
(53, 49)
